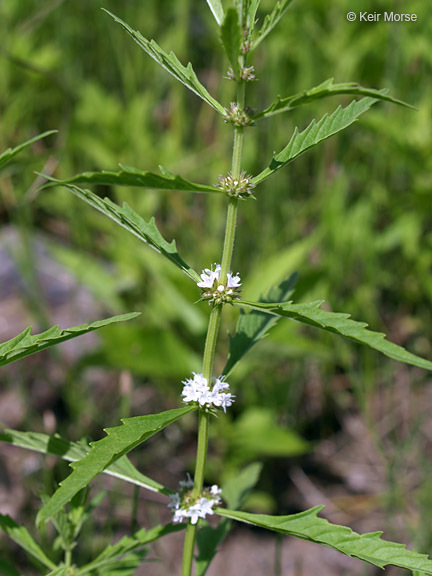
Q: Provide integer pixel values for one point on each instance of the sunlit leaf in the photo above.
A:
(25, 343)
(129, 176)
(327, 88)
(170, 62)
(315, 133)
(73, 451)
(367, 547)
(253, 326)
(217, 10)
(312, 314)
(146, 231)
(22, 537)
(60, 571)
(118, 442)
(7, 155)
(271, 20)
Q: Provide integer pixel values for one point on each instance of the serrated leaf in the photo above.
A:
(315, 133)
(312, 314)
(114, 555)
(22, 537)
(26, 344)
(253, 326)
(170, 62)
(234, 492)
(231, 36)
(217, 10)
(146, 231)
(7, 155)
(324, 90)
(118, 442)
(271, 20)
(129, 176)
(308, 526)
(73, 451)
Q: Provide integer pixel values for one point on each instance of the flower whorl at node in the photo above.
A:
(238, 116)
(185, 506)
(246, 74)
(214, 291)
(197, 390)
(240, 187)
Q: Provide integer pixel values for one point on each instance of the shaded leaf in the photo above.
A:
(7, 569)
(129, 176)
(26, 344)
(231, 36)
(146, 231)
(73, 451)
(113, 557)
(315, 133)
(255, 325)
(118, 442)
(271, 20)
(22, 537)
(311, 313)
(217, 10)
(7, 155)
(308, 526)
(327, 88)
(60, 571)
(170, 62)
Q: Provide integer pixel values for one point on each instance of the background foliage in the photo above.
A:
(353, 217)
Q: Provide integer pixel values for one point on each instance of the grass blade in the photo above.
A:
(7, 155)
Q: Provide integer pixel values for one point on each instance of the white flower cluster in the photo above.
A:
(196, 389)
(215, 291)
(184, 506)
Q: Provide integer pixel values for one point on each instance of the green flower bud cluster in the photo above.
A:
(240, 187)
(238, 116)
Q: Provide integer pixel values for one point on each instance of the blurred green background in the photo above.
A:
(353, 218)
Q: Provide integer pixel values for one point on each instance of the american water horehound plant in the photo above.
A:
(205, 393)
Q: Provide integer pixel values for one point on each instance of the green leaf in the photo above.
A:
(7, 569)
(73, 451)
(8, 154)
(21, 536)
(112, 557)
(60, 571)
(327, 88)
(311, 313)
(217, 10)
(271, 20)
(234, 492)
(25, 343)
(315, 133)
(170, 62)
(146, 231)
(129, 176)
(231, 36)
(255, 325)
(367, 547)
(118, 442)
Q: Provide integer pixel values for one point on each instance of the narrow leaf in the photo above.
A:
(170, 62)
(231, 36)
(327, 88)
(315, 133)
(129, 176)
(217, 10)
(367, 547)
(253, 326)
(25, 343)
(60, 571)
(338, 323)
(118, 442)
(146, 231)
(271, 20)
(21, 536)
(73, 451)
(8, 154)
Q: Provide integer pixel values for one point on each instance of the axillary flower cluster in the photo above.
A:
(214, 291)
(186, 506)
(197, 390)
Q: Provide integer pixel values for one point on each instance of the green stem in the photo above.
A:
(211, 339)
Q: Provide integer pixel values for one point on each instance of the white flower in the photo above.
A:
(209, 276)
(196, 389)
(185, 507)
